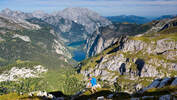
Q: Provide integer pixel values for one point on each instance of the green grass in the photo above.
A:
(154, 37)
(2, 60)
(11, 96)
(16, 49)
(65, 80)
(62, 79)
(18, 53)
(15, 96)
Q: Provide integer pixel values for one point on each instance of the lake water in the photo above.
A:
(78, 43)
(79, 55)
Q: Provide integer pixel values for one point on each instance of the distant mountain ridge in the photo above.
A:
(136, 19)
(166, 16)
(129, 19)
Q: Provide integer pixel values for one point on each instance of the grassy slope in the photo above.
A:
(15, 96)
(40, 47)
(19, 53)
(58, 79)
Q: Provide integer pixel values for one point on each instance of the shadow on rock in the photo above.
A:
(58, 94)
(34, 98)
(94, 96)
(104, 94)
(140, 64)
(122, 69)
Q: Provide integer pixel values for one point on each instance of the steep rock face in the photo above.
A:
(148, 67)
(61, 49)
(66, 29)
(108, 35)
(141, 58)
(85, 17)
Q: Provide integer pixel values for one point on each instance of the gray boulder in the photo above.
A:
(100, 98)
(154, 84)
(164, 82)
(174, 82)
(165, 97)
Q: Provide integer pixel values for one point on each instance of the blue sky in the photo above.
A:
(103, 7)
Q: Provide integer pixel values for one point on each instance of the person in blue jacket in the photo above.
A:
(93, 83)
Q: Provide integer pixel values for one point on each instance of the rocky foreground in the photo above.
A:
(159, 89)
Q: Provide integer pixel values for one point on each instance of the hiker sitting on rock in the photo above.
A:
(92, 84)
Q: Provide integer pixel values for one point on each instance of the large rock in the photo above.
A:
(164, 82)
(136, 58)
(165, 97)
(100, 98)
(16, 73)
(174, 82)
(154, 84)
(24, 38)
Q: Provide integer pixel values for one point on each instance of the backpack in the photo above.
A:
(93, 81)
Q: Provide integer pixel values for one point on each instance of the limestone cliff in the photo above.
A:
(106, 36)
(134, 61)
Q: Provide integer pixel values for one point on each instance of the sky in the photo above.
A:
(148, 8)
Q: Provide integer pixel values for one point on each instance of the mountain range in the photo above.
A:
(136, 19)
(57, 51)
(129, 19)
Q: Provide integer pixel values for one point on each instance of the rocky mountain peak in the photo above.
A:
(75, 13)
(85, 17)
(6, 11)
(15, 14)
(39, 14)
